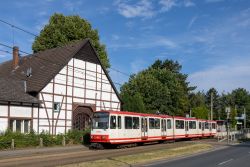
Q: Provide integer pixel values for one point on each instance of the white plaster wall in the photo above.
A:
(20, 111)
(104, 91)
(60, 130)
(3, 124)
(35, 123)
(45, 129)
(3, 110)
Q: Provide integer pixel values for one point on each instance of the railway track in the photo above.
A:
(79, 155)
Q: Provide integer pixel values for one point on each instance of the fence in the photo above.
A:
(234, 135)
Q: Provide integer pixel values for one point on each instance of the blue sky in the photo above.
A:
(210, 38)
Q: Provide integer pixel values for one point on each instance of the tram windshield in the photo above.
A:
(100, 120)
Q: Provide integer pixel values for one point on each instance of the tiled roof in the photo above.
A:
(14, 91)
(46, 64)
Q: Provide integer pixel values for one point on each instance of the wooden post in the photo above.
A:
(63, 141)
(12, 144)
(41, 142)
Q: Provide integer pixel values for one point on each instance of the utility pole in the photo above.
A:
(228, 110)
(211, 106)
(245, 118)
(190, 113)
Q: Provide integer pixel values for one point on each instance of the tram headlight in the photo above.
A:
(103, 137)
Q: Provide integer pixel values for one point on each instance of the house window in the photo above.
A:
(56, 106)
(19, 125)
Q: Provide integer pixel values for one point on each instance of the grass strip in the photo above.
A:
(128, 160)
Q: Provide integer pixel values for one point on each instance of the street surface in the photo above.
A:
(232, 156)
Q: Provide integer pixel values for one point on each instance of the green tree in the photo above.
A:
(200, 112)
(216, 103)
(133, 103)
(233, 121)
(196, 99)
(63, 29)
(162, 87)
(240, 98)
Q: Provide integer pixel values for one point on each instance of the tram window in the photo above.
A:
(210, 126)
(199, 125)
(119, 122)
(169, 124)
(179, 124)
(151, 123)
(136, 123)
(213, 125)
(206, 125)
(112, 122)
(157, 123)
(128, 122)
(192, 125)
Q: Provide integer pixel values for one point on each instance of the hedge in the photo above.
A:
(32, 139)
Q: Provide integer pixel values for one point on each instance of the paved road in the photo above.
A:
(233, 156)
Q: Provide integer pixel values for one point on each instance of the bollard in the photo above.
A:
(41, 142)
(63, 141)
(12, 144)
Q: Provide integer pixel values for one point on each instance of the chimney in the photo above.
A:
(15, 60)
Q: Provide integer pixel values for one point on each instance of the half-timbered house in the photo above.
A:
(54, 90)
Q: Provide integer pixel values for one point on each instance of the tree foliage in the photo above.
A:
(162, 87)
(200, 112)
(133, 103)
(216, 103)
(237, 100)
(63, 29)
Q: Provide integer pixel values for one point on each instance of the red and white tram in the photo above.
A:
(121, 127)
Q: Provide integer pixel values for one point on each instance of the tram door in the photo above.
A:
(203, 128)
(144, 128)
(163, 128)
(186, 127)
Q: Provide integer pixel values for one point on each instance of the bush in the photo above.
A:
(32, 139)
(78, 137)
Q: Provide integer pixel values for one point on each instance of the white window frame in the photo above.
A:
(22, 125)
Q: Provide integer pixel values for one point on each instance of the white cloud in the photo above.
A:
(141, 9)
(115, 37)
(213, 1)
(192, 22)
(42, 13)
(188, 3)
(137, 65)
(145, 42)
(161, 41)
(72, 6)
(167, 5)
(224, 77)
(147, 9)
